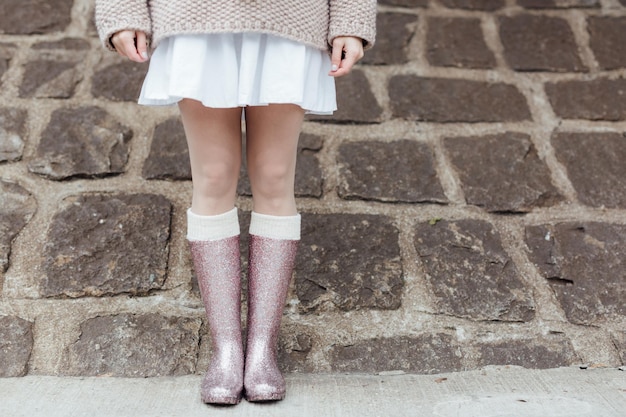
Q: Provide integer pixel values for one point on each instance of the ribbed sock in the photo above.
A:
(216, 227)
(275, 227)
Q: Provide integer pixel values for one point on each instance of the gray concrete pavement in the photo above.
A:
(492, 392)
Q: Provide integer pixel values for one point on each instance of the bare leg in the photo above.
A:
(214, 140)
(272, 134)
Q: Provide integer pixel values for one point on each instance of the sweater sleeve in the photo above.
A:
(353, 18)
(111, 16)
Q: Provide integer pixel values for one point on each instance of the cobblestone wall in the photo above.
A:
(465, 207)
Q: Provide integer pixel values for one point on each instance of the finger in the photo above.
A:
(348, 62)
(351, 57)
(335, 59)
(124, 43)
(142, 45)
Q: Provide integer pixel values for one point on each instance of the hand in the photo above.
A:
(131, 44)
(347, 50)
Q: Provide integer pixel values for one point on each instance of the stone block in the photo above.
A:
(405, 3)
(502, 173)
(6, 54)
(17, 207)
(595, 166)
(557, 4)
(599, 99)
(539, 43)
(551, 351)
(107, 244)
(583, 263)
(81, 142)
(394, 32)
(608, 40)
(309, 179)
(457, 42)
(355, 101)
(487, 5)
(49, 79)
(54, 69)
(350, 262)
(424, 354)
(169, 155)
(12, 133)
(16, 345)
(119, 82)
(29, 17)
(129, 345)
(447, 100)
(366, 172)
(294, 347)
(470, 274)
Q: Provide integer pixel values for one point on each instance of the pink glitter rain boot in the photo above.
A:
(271, 264)
(216, 263)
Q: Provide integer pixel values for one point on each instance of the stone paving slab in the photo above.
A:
(493, 392)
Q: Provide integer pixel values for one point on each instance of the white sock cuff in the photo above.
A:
(216, 227)
(275, 227)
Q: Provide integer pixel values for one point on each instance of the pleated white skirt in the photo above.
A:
(237, 70)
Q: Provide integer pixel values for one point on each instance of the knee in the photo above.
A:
(272, 180)
(216, 179)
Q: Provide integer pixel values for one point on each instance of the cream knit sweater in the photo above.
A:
(313, 22)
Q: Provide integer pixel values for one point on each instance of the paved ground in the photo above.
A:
(465, 207)
(493, 392)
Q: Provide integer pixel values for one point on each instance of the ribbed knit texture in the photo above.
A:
(275, 227)
(216, 227)
(312, 22)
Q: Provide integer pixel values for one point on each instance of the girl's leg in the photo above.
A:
(272, 134)
(214, 139)
(272, 141)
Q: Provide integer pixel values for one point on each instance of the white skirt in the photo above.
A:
(237, 70)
